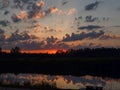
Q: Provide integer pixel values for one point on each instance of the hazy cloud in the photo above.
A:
(88, 45)
(82, 36)
(90, 27)
(71, 11)
(108, 36)
(92, 6)
(118, 26)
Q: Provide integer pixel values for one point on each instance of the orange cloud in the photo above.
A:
(40, 4)
(71, 11)
(53, 9)
(37, 15)
(22, 15)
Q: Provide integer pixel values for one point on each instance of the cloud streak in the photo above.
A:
(82, 36)
(90, 27)
(92, 6)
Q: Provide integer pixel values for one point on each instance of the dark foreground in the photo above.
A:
(77, 66)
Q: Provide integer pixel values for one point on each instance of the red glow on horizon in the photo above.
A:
(36, 51)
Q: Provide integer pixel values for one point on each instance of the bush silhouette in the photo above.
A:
(15, 50)
(0, 50)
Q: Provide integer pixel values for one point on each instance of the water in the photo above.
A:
(62, 82)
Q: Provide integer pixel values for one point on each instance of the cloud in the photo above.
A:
(45, 44)
(51, 10)
(71, 11)
(92, 6)
(39, 14)
(90, 18)
(32, 9)
(88, 45)
(15, 18)
(4, 23)
(16, 36)
(21, 4)
(64, 2)
(82, 36)
(6, 12)
(61, 82)
(22, 15)
(2, 36)
(4, 4)
(118, 26)
(1, 31)
(19, 17)
(108, 36)
(90, 27)
(51, 39)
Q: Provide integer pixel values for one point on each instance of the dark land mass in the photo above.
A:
(103, 62)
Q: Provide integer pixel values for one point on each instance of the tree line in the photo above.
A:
(14, 50)
(84, 52)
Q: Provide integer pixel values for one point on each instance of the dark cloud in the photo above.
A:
(37, 10)
(51, 10)
(31, 45)
(37, 6)
(92, 6)
(6, 12)
(90, 27)
(20, 3)
(16, 36)
(64, 2)
(4, 23)
(51, 39)
(48, 29)
(90, 18)
(15, 18)
(2, 36)
(4, 4)
(82, 36)
(106, 18)
(1, 31)
(47, 43)
(54, 43)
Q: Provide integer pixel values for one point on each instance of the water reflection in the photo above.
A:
(62, 82)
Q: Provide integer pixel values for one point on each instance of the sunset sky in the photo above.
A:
(59, 24)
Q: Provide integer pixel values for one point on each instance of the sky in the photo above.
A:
(59, 24)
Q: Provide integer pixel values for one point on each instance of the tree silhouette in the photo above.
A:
(15, 50)
(60, 52)
(0, 50)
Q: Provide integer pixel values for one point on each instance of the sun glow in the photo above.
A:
(52, 51)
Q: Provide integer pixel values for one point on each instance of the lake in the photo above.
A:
(59, 81)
